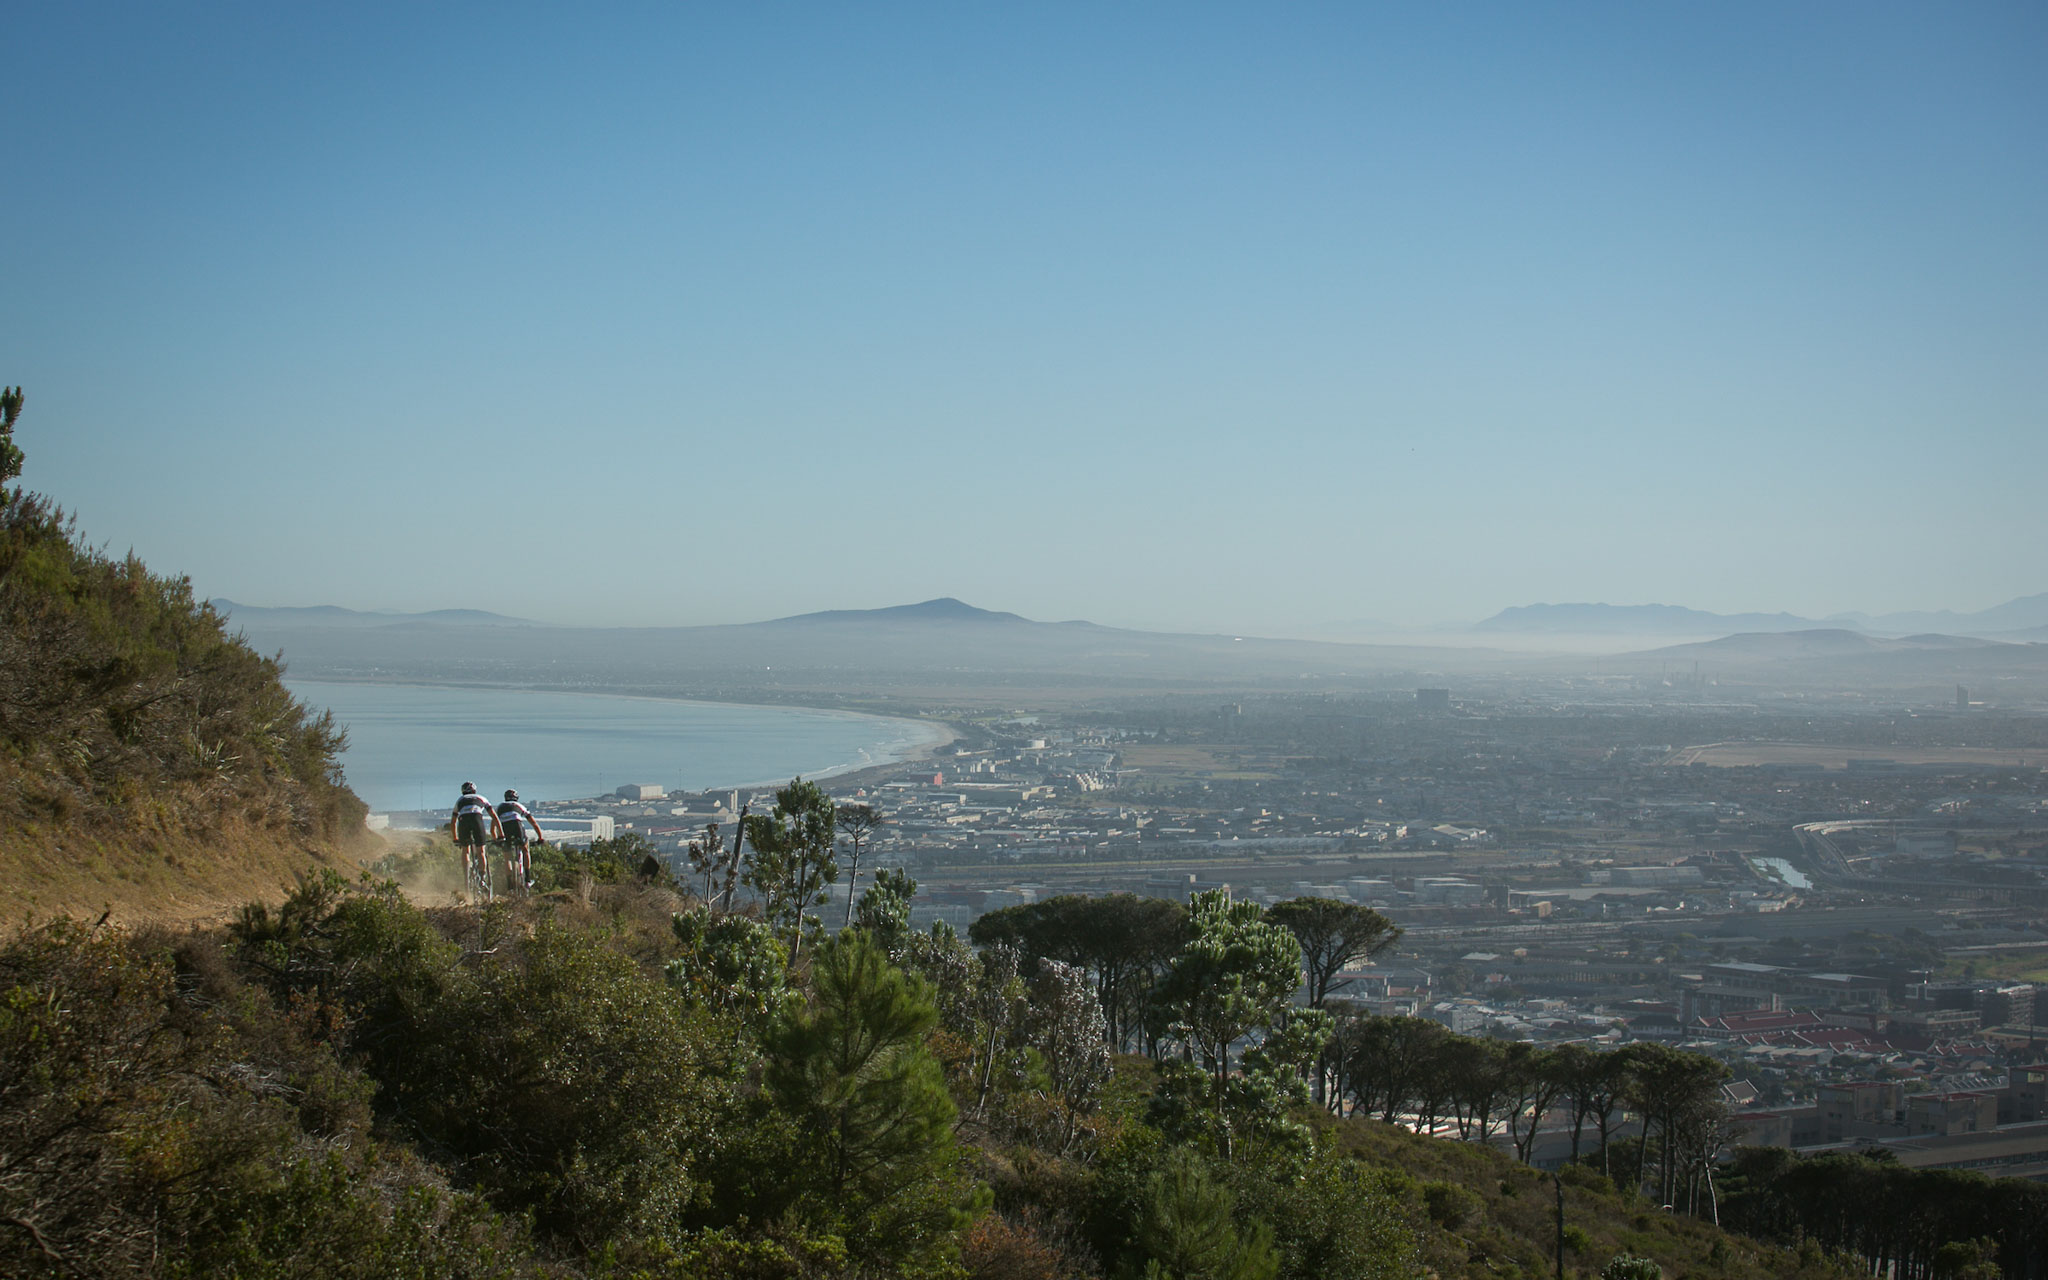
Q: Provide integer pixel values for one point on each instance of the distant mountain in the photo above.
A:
(1626, 619)
(327, 615)
(2028, 613)
(1820, 642)
(2013, 620)
(943, 642)
(916, 650)
(943, 609)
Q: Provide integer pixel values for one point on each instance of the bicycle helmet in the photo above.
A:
(510, 794)
(469, 788)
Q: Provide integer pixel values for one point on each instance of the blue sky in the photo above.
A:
(1268, 319)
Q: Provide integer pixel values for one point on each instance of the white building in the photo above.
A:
(576, 830)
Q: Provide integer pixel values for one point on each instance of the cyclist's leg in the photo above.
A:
(469, 836)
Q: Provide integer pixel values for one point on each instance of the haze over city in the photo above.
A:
(1173, 318)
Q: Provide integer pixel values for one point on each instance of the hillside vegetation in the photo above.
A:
(618, 1080)
(149, 762)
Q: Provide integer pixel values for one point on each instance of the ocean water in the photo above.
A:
(413, 746)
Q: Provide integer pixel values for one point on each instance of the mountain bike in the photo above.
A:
(518, 867)
(476, 873)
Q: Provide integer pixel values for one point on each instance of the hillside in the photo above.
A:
(150, 765)
(1486, 1215)
(612, 1081)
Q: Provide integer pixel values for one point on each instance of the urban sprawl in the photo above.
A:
(1839, 898)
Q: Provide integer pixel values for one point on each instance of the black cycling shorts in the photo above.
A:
(471, 829)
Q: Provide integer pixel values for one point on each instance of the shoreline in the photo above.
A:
(948, 732)
(917, 739)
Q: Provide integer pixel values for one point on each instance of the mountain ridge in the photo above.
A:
(1602, 618)
(1822, 642)
(940, 609)
(334, 615)
(2013, 618)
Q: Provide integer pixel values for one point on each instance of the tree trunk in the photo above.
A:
(1558, 1184)
(796, 931)
(988, 1067)
(1642, 1152)
(732, 868)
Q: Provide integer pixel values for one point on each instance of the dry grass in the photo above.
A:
(142, 871)
(1224, 763)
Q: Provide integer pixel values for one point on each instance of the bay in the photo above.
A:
(413, 746)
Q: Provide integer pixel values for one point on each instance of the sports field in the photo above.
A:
(1226, 763)
(1738, 754)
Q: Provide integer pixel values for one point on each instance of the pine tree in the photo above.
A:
(884, 911)
(870, 1102)
(791, 860)
(10, 453)
(1186, 1231)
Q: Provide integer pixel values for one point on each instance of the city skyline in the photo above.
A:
(1179, 320)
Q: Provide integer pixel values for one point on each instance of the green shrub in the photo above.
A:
(1333, 1219)
(328, 1218)
(1629, 1267)
(1449, 1205)
(568, 1084)
(1586, 1176)
(168, 1120)
(607, 861)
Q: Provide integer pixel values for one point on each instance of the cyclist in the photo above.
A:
(474, 817)
(518, 869)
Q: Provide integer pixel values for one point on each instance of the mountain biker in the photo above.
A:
(510, 814)
(473, 816)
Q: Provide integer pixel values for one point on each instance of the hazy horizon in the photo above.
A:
(1199, 319)
(1615, 639)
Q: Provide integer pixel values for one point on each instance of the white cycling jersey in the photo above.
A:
(509, 814)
